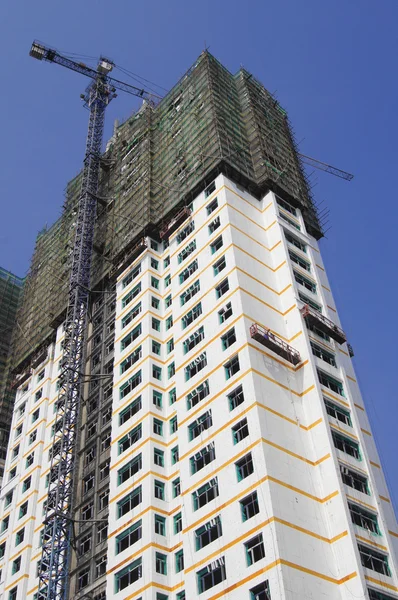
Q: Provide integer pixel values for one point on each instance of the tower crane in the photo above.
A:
(58, 522)
(317, 164)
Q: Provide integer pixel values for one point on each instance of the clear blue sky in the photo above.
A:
(333, 66)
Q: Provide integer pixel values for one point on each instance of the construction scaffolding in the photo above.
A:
(211, 122)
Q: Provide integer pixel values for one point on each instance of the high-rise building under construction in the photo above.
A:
(223, 446)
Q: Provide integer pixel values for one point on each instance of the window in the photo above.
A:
(128, 362)
(13, 472)
(155, 324)
(160, 525)
(191, 315)
(208, 533)
(199, 425)
(19, 538)
(88, 511)
(219, 265)
(130, 337)
(185, 232)
(154, 245)
(211, 575)
(346, 445)
(132, 275)
(35, 415)
(290, 221)
(228, 339)
(177, 523)
(167, 281)
(161, 563)
(13, 593)
(217, 244)
(354, 480)
(15, 452)
(100, 566)
(159, 490)
(131, 315)
(88, 483)
(232, 367)
(260, 592)
(166, 262)
(157, 427)
(131, 295)
(103, 500)
(2, 549)
(363, 518)
(85, 544)
(179, 558)
(172, 396)
(129, 502)
(170, 345)
(158, 457)
(155, 283)
(310, 302)
(156, 372)
(249, 506)
(222, 288)
(175, 456)
(130, 410)
(102, 533)
(193, 340)
(128, 575)
(131, 438)
(255, 549)
(191, 247)
(130, 469)
(194, 397)
(155, 264)
(331, 383)
(168, 301)
(23, 509)
(301, 262)
(157, 399)
(304, 281)
(169, 322)
(190, 292)
(129, 537)
(323, 354)
(240, 431)
(40, 376)
(244, 467)
(188, 271)
(373, 560)
(173, 425)
(235, 398)
(215, 225)
(160, 596)
(212, 206)
(16, 565)
(4, 524)
(335, 411)
(195, 366)
(210, 189)
(26, 484)
(286, 206)
(225, 312)
(375, 595)
(205, 494)
(130, 384)
(176, 487)
(156, 347)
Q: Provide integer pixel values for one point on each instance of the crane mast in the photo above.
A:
(58, 522)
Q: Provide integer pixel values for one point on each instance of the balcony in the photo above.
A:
(274, 343)
(172, 225)
(313, 317)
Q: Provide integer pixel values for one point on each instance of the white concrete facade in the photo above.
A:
(266, 464)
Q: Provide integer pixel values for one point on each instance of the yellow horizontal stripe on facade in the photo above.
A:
(140, 480)
(371, 543)
(341, 430)
(372, 508)
(366, 432)
(38, 405)
(145, 416)
(352, 379)
(360, 407)
(141, 551)
(294, 455)
(382, 583)
(283, 313)
(234, 226)
(326, 392)
(375, 464)
(384, 499)
(325, 288)
(134, 323)
(331, 308)
(393, 533)
(156, 585)
(140, 446)
(19, 553)
(141, 514)
(182, 266)
(251, 532)
(274, 270)
(298, 394)
(264, 284)
(35, 426)
(319, 267)
(302, 492)
(139, 392)
(343, 351)
(23, 523)
(14, 583)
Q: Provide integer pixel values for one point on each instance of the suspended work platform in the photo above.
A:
(273, 342)
(172, 225)
(314, 317)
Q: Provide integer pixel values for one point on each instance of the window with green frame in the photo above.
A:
(130, 337)
(160, 596)
(236, 397)
(23, 509)
(330, 382)
(129, 502)
(208, 533)
(376, 561)
(157, 372)
(161, 563)
(16, 565)
(185, 252)
(129, 470)
(166, 262)
(173, 425)
(155, 324)
(154, 264)
(157, 399)
(177, 522)
(168, 301)
(188, 271)
(167, 281)
(364, 518)
(156, 347)
(219, 265)
(172, 396)
(232, 367)
(289, 220)
(222, 288)
(249, 506)
(200, 424)
(175, 456)
(131, 295)
(202, 458)
(191, 316)
(217, 244)
(260, 592)
(176, 487)
(205, 494)
(193, 340)
(310, 302)
(286, 206)
(181, 595)
(255, 550)
(194, 367)
(170, 345)
(155, 302)
(184, 233)
(228, 339)
(158, 457)
(338, 412)
(131, 438)
(212, 206)
(198, 394)
(323, 354)
(244, 467)
(240, 431)
(157, 427)
(179, 560)
(128, 537)
(305, 282)
(347, 445)
(128, 575)
(155, 282)
(190, 292)
(169, 322)
(130, 410)
(376, 595)
(301, 262)
(160, 525)
(211, 575)
(159, 489)
(132, 358)
(132, 275)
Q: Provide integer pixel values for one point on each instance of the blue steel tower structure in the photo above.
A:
(58, 530)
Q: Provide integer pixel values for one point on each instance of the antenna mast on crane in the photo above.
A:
(58, 522)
